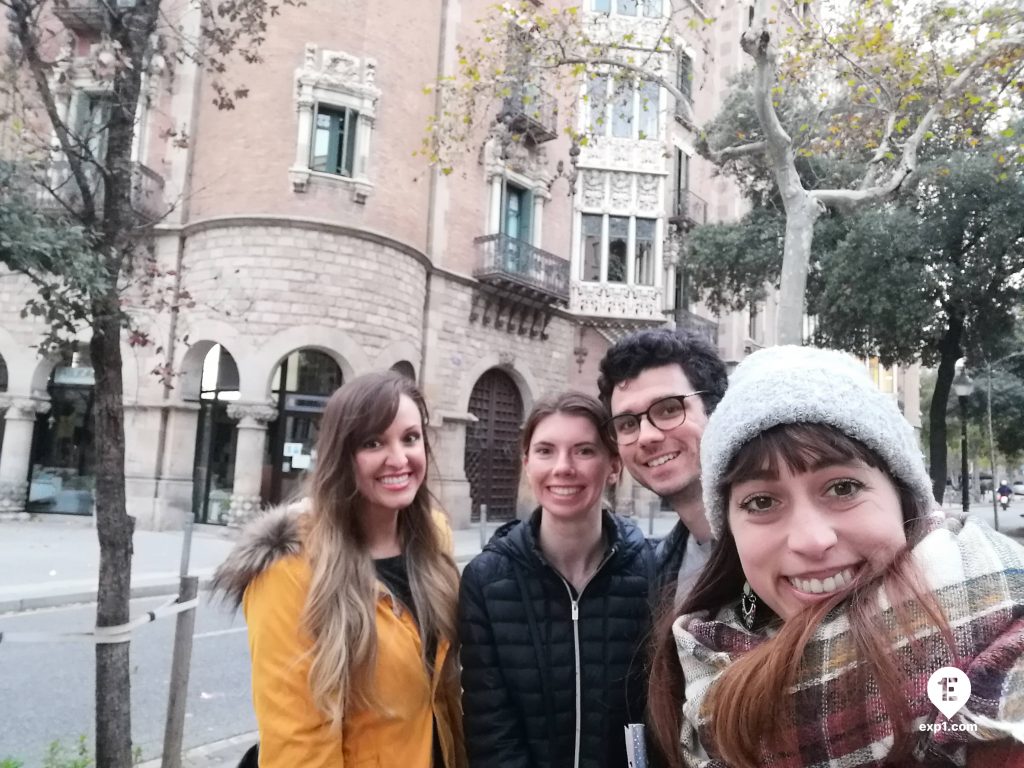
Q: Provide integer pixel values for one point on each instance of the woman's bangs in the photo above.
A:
(801, 447)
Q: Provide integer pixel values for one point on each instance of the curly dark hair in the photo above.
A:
(655, 347)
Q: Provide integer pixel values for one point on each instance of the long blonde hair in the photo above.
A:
(340, 612)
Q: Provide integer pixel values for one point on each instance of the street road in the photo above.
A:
(46, 689)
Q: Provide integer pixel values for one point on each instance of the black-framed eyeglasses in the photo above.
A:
(666, 413)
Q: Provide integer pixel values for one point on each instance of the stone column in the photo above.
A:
(448, 437)
(16, 452)
(252, 434)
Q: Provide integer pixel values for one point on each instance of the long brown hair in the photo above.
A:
(748, 691)
(340, 612)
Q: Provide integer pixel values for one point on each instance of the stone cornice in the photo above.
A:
(298, 222)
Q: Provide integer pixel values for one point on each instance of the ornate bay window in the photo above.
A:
(618, 250)
(336, 100)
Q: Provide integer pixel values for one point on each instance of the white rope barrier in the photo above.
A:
(119, 634)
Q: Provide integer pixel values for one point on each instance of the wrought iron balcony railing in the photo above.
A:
(707, 328)
(690, 210)
(87, 15)
(519, 268)
(530, 111)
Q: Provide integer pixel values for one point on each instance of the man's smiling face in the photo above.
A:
(668, 462)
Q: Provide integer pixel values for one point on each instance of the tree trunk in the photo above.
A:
(949, 353)
(796, 258)
(114, 528)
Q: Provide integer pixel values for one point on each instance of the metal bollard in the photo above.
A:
(652, 510)
(483, 526)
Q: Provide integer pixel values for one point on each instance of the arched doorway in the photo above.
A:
(213, 473)
(62, 478)
(404, 367)
(492, 445)
(302, 385)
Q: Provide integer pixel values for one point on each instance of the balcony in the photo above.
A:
(530, 112)
(87, 15)
(708, 329)
(517, 268)
(690, 210)
(147, 191)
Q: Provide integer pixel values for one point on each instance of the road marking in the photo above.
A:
(217, 632)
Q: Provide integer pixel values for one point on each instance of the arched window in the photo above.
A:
(302, 384)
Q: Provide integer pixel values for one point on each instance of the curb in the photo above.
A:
(17, 605)
(226, 752)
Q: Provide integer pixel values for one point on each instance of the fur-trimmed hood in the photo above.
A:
(272, 535)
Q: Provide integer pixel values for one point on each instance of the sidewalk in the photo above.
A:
(54, 560)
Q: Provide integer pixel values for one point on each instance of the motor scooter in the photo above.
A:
(1004, 501)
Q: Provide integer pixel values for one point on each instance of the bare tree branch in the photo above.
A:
(908, 160)
(731, 153)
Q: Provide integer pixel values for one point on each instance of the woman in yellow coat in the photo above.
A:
(350, 598)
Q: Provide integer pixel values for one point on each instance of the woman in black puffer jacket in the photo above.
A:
(554, 613)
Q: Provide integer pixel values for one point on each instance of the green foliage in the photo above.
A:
(54, 252)
(886, 280)
(729, 264)
(57, 756)
(10, 762)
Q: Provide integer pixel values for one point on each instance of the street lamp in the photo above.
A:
(964, 386)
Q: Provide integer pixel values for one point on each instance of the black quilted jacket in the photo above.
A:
(531, 673)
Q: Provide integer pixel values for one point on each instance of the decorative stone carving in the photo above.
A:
(636, 155)
(616, 300)
(649, 155)
(593, 189)
(252, 415)
(622, 191)
(23, 408)
(502, 153)
(647, 192)
(243, 509)
(337, 78)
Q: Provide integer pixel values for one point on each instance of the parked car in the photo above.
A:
(1018, 488)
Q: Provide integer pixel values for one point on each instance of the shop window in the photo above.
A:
(63, 475)
(303, 383)
(213, 474)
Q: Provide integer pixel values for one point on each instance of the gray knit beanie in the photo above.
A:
(793, 385)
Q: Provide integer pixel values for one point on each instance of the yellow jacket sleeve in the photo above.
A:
(293, 732)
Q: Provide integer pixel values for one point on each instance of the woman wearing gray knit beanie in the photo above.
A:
(841, 621)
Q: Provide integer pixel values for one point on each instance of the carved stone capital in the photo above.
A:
(252, 415)
(23, 408)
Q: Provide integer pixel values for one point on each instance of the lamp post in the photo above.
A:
(964, 386)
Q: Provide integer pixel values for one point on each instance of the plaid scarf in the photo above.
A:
(977, 578)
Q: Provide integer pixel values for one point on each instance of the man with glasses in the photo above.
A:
(660, 385)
